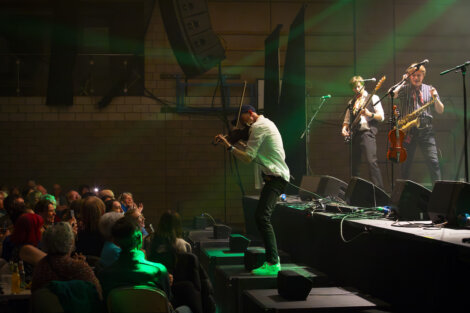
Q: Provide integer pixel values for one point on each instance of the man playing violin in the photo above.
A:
(265, 148)
(363, 136)
(412, 96)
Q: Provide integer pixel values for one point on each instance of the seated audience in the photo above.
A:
(106, 194)
(167, 247)
(137, 215)
(127, 202)
(46, 210)
(89, 239)
(111, 251)
(58, 265)
(71, 196)
(131, 268)
(163, 245)
(113, 206)
(68, 215)
(25, 239)
(32, 198)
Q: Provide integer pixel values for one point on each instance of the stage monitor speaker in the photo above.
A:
(323, 186)
(238, 243)
(293, 286)
(411, 200)
(332, 187)
(201, 222)
(254, 259)
(449, 203)
(221, 231)
(195, 45)
(363, 193)
(308, 186)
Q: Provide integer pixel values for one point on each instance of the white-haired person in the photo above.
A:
(111, 251)
(58, 241)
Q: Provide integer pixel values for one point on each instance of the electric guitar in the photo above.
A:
(357, 117)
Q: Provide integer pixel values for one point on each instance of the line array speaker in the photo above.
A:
(195, 45)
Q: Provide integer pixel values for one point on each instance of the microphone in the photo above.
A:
(368, 80)
(325, 97)
(418, 65)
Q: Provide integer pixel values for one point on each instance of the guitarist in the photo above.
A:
(363, 129)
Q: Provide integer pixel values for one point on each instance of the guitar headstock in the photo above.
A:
(379, 84)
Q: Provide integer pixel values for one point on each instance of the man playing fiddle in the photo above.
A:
(363, 137)
(265, 148)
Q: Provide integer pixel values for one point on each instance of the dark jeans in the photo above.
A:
(424, 138)
(364, 142)
(270, 193)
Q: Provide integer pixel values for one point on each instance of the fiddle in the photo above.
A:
(237, 133)
(396, 153)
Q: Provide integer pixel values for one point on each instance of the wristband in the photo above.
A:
(230, 148)
(373, 115)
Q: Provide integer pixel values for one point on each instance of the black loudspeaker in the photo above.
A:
(201, 222)
(195, 45)
(238, 243)
(221, 231)
(324, 186)
(333, 187)
(363, 193)
(293, 286)
(449, 203)
(308, 183)
(411, 200)
(254, 259)
(60, 87)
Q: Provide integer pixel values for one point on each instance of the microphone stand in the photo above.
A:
(307, 134)
(463, 69)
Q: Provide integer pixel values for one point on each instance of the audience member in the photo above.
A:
(111, 251)
(90, 241)
(137, 215)
(131, 269)
(127, 202)
(25, 240)
(167, 240)
(68, 216)
(60, 199)
(46, 210)
(106, 194)
(15, 207)
(71, 196)
(32, 198)
(41, 189)
(83, 189)
(58, 241)
(113, 206)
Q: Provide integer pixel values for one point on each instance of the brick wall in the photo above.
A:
(166, 159)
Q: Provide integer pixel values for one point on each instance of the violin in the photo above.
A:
(237, 133)
(396, 153)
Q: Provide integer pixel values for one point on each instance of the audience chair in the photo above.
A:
(137, 299)
(45, 301)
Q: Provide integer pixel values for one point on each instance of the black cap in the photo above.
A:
(246, 108)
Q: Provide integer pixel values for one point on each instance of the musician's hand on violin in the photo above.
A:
(221, 139)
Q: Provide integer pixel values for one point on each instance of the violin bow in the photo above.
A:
(241, 104)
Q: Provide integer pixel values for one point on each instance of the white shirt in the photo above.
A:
(265, 148)
(364, 121)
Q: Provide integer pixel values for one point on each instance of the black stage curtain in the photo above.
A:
(292, 100)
